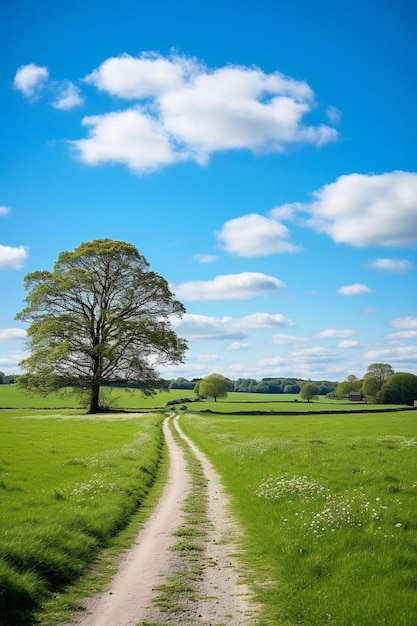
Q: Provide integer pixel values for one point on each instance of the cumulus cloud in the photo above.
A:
(13, 257)
(332, 333)
(313, 354)
(391, 265)
(128, 137)
(147, 76)
(354, 290)
(12, 333)
(30, 79)
(408, 321)
(255, 235)
(228, 287)
(238, 345)
(67, 96)
(367, 209)
(202, 327)
(402, 357)
(281, 339)
(348, 344)
(405, 334)
(199, 110)
(264, 320)
(4, 210)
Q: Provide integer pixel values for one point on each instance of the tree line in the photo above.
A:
(265, 385)
(380, 384)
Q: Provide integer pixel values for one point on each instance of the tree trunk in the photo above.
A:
(94, 400)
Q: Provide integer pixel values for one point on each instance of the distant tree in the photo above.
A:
(400, 388)
(309, 391)
(101, 315)
(370, 387)
(2, 378)
(181, 383)
(352, 383)
(376, 375)
(262, 387)
(244, 384)
(292, 388)
(213, 386)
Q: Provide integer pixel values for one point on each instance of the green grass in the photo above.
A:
(12, 397)
(328, 504)
(68, 485)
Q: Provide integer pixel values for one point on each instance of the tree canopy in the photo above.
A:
(213, 386)
(351, 383)
(400, 388)
(309, 391)
(100, 316)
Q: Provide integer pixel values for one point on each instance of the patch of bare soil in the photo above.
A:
(219, 596)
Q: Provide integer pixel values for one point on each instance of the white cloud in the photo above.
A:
(354, 290)
(128, 137)
(12, 333)
(202, 327)
(332, 333)
(264, 320)
(334, 115)
(228, 287)
(238, 345)
(405, 334)
(270, 362)
(281, 339)
(4, 210)
(146, 76)
(12, 257)
(364, 210)
(313, 354)
(30, 79)
(391, 265)
(404, 322)
(255, 235)
(11, 360)
(348, 344)
(67, 96)
(205, 259)
(199, 110)
(400, 356)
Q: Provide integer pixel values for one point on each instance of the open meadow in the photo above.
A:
(328, 504)
(68, 485)
(11, 397)
(327, 501)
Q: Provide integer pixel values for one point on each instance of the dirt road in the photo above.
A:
(216, 596)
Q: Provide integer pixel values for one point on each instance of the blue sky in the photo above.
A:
(261, 155)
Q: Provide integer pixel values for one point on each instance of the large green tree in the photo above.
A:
(376, 375)
(101, 315)
(309, 391)
(400, 388)
(213, 386)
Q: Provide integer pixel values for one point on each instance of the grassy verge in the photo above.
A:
(68, 486)
(328, 504)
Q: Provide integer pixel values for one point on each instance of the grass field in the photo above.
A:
(67, 486)
(328, 504)
(11, 397)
